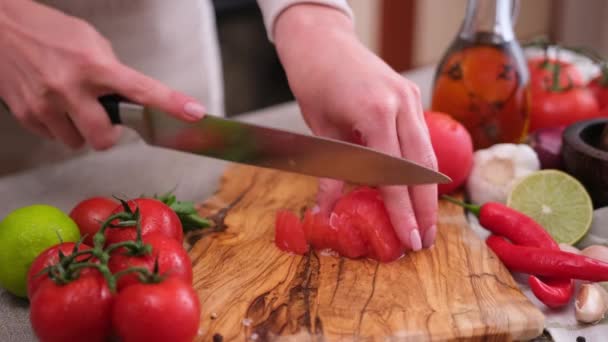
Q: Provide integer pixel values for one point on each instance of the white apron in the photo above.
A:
(172, 41)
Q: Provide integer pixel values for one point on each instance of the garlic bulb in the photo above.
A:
(568, 248)
(591, 303)
(497, 168)
(598, 252)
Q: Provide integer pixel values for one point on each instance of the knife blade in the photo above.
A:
(245, 143)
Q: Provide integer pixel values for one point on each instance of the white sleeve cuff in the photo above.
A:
(271, 9)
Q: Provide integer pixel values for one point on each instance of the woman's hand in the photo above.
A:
(54, 67)
(346, 92)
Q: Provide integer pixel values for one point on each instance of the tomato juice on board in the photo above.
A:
(483, 83)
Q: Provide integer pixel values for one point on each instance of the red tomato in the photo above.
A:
(318, 231)
(78, 311)
(289, 234)
(453, 148)
(562, 104)
(563, 108)
(90, 214)
(600, 91)
(48, 257)
(167, 311)
(350, 242)
(156, 217)
(541, 73)
(173, 260)
(363, 210)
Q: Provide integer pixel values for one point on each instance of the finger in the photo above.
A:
(329, 190)
(396, 198)
(328, 194)
(150, 92)
(29, 121)
(37, 128)
(93, 123)
(61, 127)
(416, 145)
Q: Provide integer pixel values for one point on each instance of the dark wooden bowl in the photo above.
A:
(584, 160)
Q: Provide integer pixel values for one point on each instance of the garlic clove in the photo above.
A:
(591, 303)
(568, 248)
(598, 252)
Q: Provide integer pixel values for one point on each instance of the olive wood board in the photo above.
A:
(251, 290)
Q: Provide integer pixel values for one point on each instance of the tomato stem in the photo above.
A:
(143, 273)
(102, 268)
(187, 213)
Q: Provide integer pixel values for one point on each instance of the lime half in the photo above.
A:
(555, 200)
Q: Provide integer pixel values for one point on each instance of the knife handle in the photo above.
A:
(111, 104)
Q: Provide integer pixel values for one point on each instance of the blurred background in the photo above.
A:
(407, 34)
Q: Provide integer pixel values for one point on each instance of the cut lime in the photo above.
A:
(555, 200)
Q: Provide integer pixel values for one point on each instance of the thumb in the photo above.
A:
(329, 192)
(152, 93)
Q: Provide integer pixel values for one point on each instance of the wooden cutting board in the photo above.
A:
(250, 290)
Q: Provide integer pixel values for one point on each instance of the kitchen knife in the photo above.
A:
(245, 143)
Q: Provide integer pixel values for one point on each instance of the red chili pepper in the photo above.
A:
(523, 230)
(554, 293)
(510, 223)
(547, 262)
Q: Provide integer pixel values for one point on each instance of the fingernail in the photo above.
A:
(429, 237)
(316, 209)
(415, 242)
(194, 110)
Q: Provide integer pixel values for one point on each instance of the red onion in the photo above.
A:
(547, 142)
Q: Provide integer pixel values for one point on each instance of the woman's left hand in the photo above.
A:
(348, 93)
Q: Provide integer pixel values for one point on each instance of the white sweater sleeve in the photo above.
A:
(271, 9)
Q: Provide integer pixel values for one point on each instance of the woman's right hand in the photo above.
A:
(54, 68)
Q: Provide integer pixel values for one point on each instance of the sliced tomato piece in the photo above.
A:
(363, 210)
(289, 233)
(318, 232)
(350, 243)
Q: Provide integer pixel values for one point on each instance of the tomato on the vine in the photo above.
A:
(561, 99)
(90, 214)
(48, 257)
(562, 108)
(599, 88)
(156, 217)
(173, 260)
(165, 311)
(542, 71)
(77, 311)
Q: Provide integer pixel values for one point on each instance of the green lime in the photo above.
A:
(555, 200)
(24, 234)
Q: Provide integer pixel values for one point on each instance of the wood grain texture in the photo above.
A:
(249, 289)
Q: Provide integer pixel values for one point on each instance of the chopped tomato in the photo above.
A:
(289, 234)
(350, 242)
(318, 231)
(364, 210)
(358, 226)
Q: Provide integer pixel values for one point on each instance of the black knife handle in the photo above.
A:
(111, 104)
